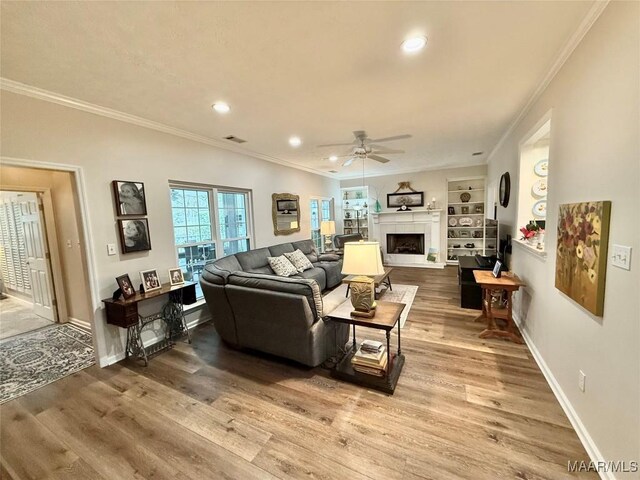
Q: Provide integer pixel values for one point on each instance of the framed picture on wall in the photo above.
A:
(134, 235)
(411, 199)
(129, 198)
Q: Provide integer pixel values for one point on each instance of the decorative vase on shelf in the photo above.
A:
(378, 207)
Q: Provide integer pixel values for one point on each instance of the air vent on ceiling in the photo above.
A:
(475, 154)
(333, 171)
(235, 139)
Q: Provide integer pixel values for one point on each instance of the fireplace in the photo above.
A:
(405, 243)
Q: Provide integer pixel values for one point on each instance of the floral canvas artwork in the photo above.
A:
(581, 253)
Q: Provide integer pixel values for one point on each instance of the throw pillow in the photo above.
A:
(299, 260)
(282, 266)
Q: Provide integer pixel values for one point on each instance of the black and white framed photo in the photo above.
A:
(175, 276)
(497, 268)
(129, 197)
(125, 284)
(150, 280)
(464, 210)
(396, 200)
(451, 210)
(134, 235)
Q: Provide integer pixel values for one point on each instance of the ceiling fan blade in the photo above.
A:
(335, 144)
(348, 162)
(360, 135)
(384, 150)
(378, 158)
(388, 139)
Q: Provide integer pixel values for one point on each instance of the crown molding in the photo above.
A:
(443, 166)
(563, 55)
(48, 96)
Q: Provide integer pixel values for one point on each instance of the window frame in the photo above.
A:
(332, 216)
(216, 237)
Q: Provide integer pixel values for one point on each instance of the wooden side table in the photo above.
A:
(508, 282)
(386, 318)
(381, 282)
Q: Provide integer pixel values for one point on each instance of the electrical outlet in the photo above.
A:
(621, 257)
(581, 379)
(111, 249)
(68, 243)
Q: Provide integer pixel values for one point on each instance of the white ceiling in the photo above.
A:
(318, 70)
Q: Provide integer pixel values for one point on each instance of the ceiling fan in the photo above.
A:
(365, 147)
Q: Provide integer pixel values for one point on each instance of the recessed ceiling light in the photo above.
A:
(333, 158)
(414, 44)
(221, 107)
(295, 141)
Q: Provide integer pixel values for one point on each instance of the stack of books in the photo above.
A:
(371, 359)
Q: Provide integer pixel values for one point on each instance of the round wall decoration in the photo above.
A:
(542, 168)
(465, 197)
(540, 208)
(539, 188)
(505, 189)
(453, 222)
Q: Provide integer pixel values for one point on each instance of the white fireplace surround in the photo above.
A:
(426, 222)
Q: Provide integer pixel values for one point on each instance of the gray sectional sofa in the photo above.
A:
(254, 308)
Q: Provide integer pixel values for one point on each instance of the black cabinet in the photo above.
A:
(470, 291)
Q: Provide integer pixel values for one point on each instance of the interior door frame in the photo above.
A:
(86, 240)
(51, 239)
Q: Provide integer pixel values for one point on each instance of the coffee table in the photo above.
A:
(386, 318)
(379, 280)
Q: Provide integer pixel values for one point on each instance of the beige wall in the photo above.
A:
(68, 230)
(108, 149)
(594, 155)
(432, 182)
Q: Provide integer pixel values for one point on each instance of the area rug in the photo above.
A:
(401, 294)
(35, 359)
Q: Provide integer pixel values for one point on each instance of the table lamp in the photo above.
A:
(327, 228)
(363, 260)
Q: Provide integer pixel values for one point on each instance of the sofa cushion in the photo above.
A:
(333, 272)
(253, 259)
(300, 286)
(316, 274)
(266, 270)
(299, 260)
(308, 248)
(277, 250)
(282, 266)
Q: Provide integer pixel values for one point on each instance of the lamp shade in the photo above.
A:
(327, 227)
(362, 258)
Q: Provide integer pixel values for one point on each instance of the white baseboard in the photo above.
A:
(80, 323)
(110, 360)
(576, 423)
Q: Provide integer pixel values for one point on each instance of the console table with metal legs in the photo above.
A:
(124, 314)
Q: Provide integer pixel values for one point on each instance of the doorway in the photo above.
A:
(28, 300)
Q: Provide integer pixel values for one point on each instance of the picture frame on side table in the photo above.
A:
(126, 286)
(176, 276)
(134, 235)
(129, 198)
(150, 280)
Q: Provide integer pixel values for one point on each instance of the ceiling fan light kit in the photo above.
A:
(365, 147)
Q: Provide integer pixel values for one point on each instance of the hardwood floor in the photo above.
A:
(463, 408)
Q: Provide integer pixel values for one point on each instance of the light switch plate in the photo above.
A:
(621, 257)
(111, 249)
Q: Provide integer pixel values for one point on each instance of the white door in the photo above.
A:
(37, 257)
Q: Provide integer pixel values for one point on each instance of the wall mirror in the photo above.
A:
(285, 210)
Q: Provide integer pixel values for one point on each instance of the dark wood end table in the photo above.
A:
(386, 318)
(383, 280)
